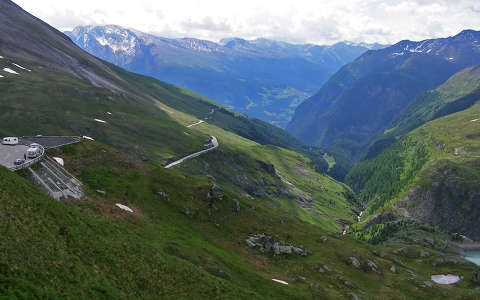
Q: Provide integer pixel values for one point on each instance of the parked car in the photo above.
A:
(10, 140)
(19, 161)
(34, 152)
(35, 145)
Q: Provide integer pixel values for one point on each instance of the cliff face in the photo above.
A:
(448, 198)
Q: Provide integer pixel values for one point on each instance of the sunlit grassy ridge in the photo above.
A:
(240, 163)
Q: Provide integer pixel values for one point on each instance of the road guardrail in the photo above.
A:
(29, 163)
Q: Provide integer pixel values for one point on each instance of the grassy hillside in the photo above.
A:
(92, 249)
(133, 113)
(282, 177)
(429, 176)
(63, 71)
(457, 93)
(154, 127)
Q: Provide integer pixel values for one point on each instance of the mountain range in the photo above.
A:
(429, 172)
(366, 96)
(256, 217)
(261, 78)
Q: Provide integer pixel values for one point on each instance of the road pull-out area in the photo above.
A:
(214, 143)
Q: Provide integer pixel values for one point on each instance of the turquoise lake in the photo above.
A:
(473, 256)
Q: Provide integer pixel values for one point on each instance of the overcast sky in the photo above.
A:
(297, 21)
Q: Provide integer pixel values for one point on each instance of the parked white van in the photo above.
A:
(34, 152)
(10, 141)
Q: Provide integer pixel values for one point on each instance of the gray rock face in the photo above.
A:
(265, 243)
(236, 209)
(322, 239)
(402, 251)
(353, 296)
(282, 249)
(459, 210)
(445, 261)
(162, 194)
(424, 254)
(354, 262)
(476, 277)
(373, 267)
(426, 284)
(215, 192)
(346, 282)
(393, 269)
(300, 279)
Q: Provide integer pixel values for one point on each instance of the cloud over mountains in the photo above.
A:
(300, 21)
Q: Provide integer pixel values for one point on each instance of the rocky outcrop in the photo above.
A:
(402, 251)
(450, 200)
(267, 244)
(269, 168)
(236, 209)
(215, 193)
(476, 277)
(354, 262)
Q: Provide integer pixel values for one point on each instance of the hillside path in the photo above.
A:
(215, 145)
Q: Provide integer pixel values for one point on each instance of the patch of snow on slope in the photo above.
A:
(10, 71)
(109, 113)
(59, 160)
(126, 45)
(446, 279)
(1, 76)
(87, 138)
(123, 207)
(1, 56)
(100, 121)
(280, 281)
(19, 66)
(450, 58)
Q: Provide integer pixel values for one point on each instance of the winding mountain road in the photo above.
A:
(194, 124)
(214, 143)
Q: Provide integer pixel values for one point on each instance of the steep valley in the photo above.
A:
(256, 215)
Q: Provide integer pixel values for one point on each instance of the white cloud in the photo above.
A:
(315, 21)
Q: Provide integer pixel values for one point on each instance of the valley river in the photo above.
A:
(473, 256)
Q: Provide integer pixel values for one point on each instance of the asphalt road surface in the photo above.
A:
(215, 145)
(8, 154)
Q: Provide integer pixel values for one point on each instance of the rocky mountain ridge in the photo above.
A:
(361, 100)
(261, 78)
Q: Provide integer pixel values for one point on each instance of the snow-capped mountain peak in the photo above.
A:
(116, 38)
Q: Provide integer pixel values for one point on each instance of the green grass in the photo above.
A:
(90, 249)
(49, 102)
(456, 94)
(152, 125)
(443, 152)
(240, 163)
